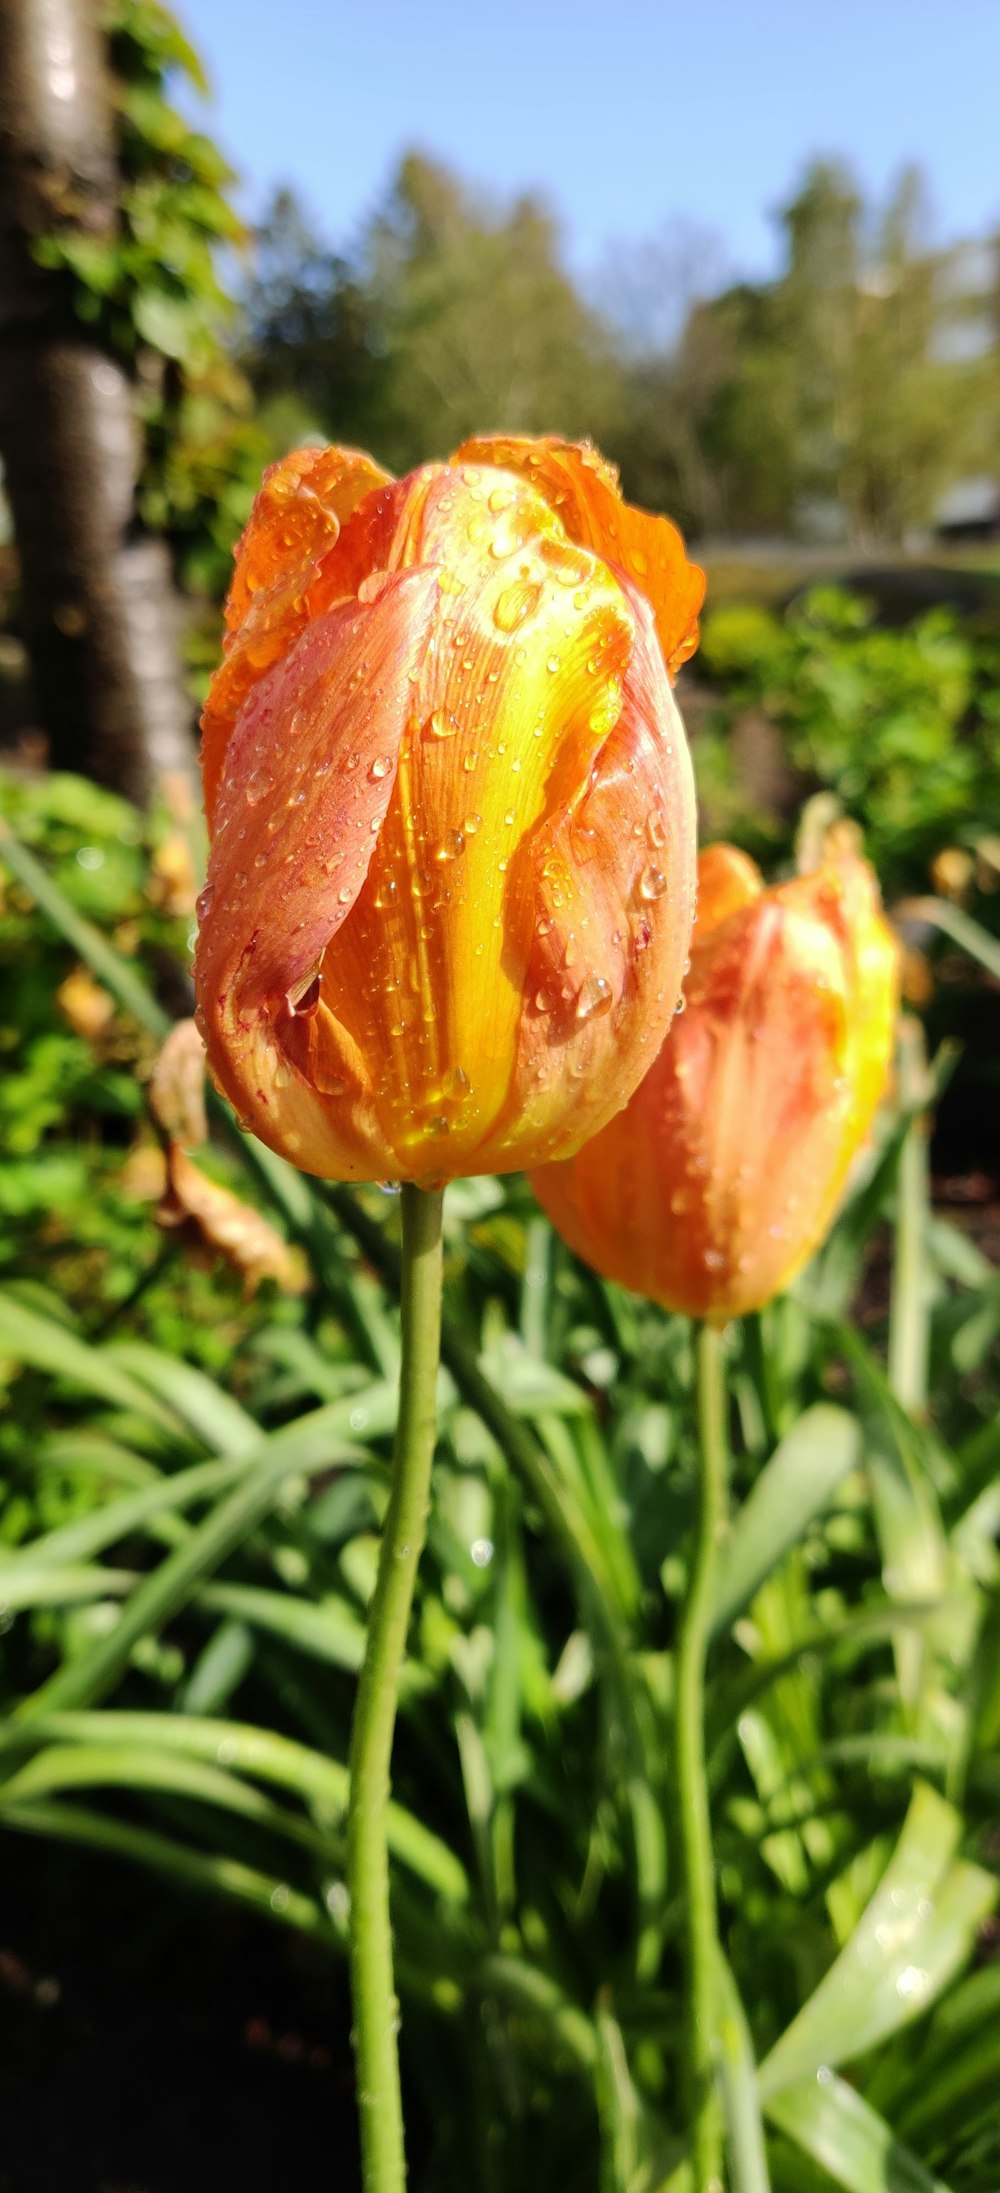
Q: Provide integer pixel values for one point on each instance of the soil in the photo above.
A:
(152, 2043)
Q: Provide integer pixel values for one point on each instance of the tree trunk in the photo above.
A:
(99, 613)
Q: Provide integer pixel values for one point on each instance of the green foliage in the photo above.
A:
(902, 725)
(193, 1492)
(75, 1217)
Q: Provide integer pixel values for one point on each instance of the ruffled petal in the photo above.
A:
(308, 776)
(583, 489)
(296, 519)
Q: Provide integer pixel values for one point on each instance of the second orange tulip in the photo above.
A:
(723, 1173)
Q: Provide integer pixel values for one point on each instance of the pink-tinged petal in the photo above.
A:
(308, 775)
(295, 521)
(514, 704)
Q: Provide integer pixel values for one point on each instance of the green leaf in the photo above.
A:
(48, 1346)
(267, 1894)
(794, 1487)
(219, 1421)
(111, 967)
(117, 1766)
(917, 1931)
(847, 2138)
(737, 2074)
(320, 1782)
(302, 1446)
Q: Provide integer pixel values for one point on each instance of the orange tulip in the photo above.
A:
(452, 867)
(721, 1176)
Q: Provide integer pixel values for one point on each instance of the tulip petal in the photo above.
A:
(737, 1138)
(514, 702)
(583, 489)
(727, 880)
(610, 872)
(308, 774)
(296, 518)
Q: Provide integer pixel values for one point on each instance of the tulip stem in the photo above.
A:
(376, 2011)
(698, 1872)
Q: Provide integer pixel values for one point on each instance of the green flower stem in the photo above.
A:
(376, 2014)
(909, 1315)
(689, 1766)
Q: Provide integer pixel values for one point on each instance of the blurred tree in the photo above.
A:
(97, 604)
(449, 315)
(310, 327)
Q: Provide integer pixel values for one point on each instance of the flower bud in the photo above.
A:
(451, 879)
(722, 1174)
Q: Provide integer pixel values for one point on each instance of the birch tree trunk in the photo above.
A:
(99, 613)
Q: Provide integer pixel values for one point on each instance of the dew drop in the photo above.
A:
(257, 785)
(441, 724)
(472, 824)
(594, 997)
(303, 997)
(514, 605)
(652, 882)
(380, 766)
(451, 845)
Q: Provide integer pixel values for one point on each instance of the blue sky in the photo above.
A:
(627, 115)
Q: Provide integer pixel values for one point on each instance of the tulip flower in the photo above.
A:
(452, 867)
(722, 1175)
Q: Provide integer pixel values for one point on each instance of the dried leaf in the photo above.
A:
(218, 1221)
(177, 1088)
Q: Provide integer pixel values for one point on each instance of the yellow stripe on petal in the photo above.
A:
(522, 681)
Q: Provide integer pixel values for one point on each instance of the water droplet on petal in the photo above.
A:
(652, 882)
(515, 604)
(594, 997)
(303, 997)
(451, 845)
(381, 766)
(441, 725)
